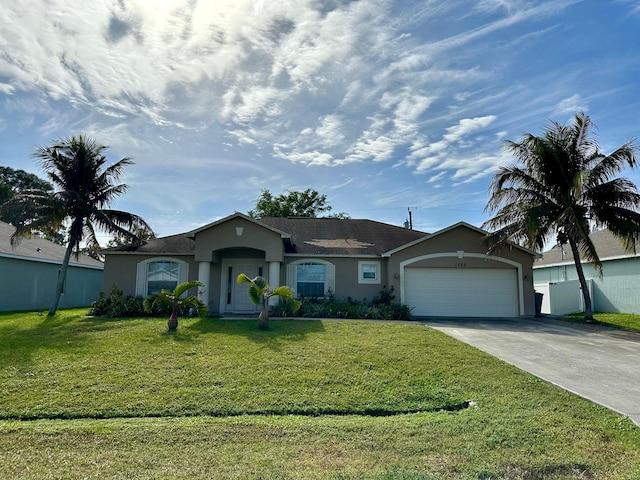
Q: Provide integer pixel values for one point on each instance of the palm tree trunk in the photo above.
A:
(263, 318)
(61, 279)
(588, 309)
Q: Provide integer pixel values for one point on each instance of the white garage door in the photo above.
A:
(462, 292)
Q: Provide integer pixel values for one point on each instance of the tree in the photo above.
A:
(176, 302)
(14, 182)
(563, 187)
(260, 293)
(309, 203)
(141, 234)
(85, 186)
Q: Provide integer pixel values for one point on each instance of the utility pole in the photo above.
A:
(409, 224)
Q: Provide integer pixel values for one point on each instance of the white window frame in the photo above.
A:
(330, 275)
(143, 270)
(361, 267)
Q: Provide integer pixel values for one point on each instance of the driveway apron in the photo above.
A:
(596, 362)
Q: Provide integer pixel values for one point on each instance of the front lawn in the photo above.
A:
(84, 397)
(625, 321)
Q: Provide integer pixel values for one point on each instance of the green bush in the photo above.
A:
(117, 305)
(381, 307)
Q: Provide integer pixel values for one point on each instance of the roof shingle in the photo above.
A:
(37, 248)
(606, 243)
(308, 236)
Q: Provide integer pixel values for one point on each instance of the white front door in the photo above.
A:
(240, 302)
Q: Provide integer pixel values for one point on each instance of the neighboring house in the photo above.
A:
(446, 273)
(617, 290)
(29, 274)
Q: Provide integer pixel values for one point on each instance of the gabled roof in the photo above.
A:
(39, 249)
(447, 229)
(301, 235)
(335, 236)
(608, 246)
(192, 233)
(180, 244)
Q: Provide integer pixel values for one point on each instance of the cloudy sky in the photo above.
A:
(382, 105)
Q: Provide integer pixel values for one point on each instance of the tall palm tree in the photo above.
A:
(84, 188)
(563, 187)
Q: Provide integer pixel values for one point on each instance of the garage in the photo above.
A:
(462, 292)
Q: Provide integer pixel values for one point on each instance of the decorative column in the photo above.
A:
(204, 273)
(274, 280)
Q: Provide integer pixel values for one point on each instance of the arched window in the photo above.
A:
(156, 274)
(311, 278)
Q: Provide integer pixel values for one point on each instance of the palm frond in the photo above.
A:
(184, 287)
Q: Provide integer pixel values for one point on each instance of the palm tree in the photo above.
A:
(562, 188)
(260, 293)
(84, 188)
(176, 302)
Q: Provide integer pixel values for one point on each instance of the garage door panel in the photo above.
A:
(477, 292)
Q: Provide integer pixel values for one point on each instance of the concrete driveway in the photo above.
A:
(593, 361)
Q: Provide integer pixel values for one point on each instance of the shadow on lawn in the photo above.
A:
(279, 332)
(20, 340)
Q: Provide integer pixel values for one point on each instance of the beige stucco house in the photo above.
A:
(447, 273)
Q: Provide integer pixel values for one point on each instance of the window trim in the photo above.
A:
(143, 271)
(330, 275)
(361, 277)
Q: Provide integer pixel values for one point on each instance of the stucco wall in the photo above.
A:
(31, 285)
(121, 270)
(238, 233)
(617, 291)
(346, 277)
(466, 241)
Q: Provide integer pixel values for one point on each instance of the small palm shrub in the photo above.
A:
(177, 302)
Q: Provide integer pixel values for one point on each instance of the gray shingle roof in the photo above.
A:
(308, 236)
(607, 245)
(175, 244)
(37, 248)
(334, 236)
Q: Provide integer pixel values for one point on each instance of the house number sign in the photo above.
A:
(460, 264)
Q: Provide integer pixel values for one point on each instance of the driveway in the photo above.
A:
(593, 361)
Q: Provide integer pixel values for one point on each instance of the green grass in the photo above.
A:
(624, 321)
(83, 397)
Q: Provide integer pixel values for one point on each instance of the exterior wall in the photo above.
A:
(122, 270)
(617, 291)
(346, 276)
(225, 236)
(31, 285)
(463, 241)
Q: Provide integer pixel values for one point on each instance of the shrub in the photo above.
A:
(381, 307)
(117, 305)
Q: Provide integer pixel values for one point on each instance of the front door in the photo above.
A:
(240, 302)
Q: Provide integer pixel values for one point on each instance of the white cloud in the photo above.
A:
(467, 126)
(571, 105)
(375, 89)
(438, 155)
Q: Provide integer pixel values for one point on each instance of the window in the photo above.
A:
(162, 275)
(311, 278)
(156, 274)
(368, 272)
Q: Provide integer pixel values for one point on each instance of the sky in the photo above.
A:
(384, 106)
